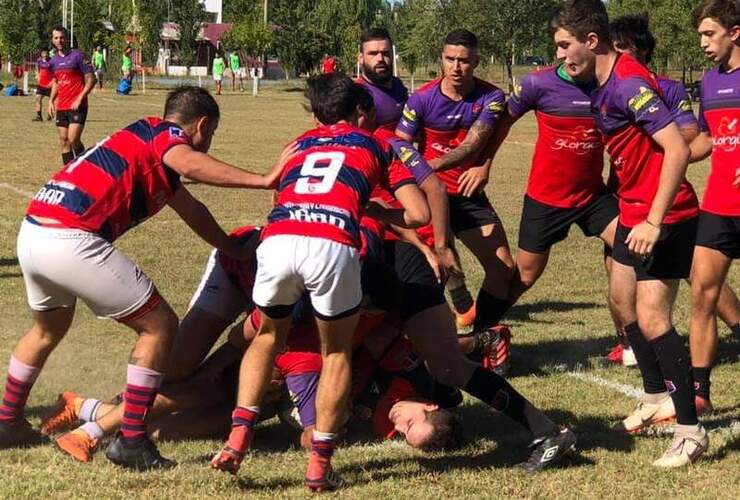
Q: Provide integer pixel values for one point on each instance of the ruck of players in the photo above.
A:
(345, 310)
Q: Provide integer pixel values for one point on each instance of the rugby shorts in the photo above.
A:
(288, 265)
(542, 226)
(419, 289)
(719, 232)
(471, 212)
(65, 118)
(43, 91)
(672, 254)
(217, 293)
(60, 265)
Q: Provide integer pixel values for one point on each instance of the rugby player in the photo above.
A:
(65, 251)
(309, 244)
(73, 81)
(453, 117)
(631, 34)
(658, 210)
(98, 61)
(718, 236)
(44, 83)
(236, 71)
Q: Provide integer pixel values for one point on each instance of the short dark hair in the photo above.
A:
(634, 31)
(462, 37)
(60, 29)
(190, 103)
(581, 17)
(447, 433)
(365, 101)
(332, 97)
(725, 12)
(375, 34)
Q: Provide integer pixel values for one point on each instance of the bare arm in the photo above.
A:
(197, 216)
(470, 148)
(701, 147)
(436, 195)
(689, 132)
(415, 211)
(52, 98)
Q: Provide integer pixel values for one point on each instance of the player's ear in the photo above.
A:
(592, 41)
(476, 59)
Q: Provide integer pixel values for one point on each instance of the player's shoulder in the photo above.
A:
(627, 67)
(487, 88)
(428, 89)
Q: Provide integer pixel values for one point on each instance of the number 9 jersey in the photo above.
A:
(324, 189)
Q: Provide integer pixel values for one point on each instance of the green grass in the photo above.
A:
(562, 321)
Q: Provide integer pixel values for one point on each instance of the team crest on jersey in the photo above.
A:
(684, 106)
(477, 108)
(409, 113)
(641, 99)
(176, 132)
(728, 135)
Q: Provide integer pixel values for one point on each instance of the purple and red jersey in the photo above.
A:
(389, 102)
(45, 76)
(324, 189)
(719, 115)
(568, 155)
(115, 185)
(677, 100)
(629, 110)
(69, 71)
(441, 123)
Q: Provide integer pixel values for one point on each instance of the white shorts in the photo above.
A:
(60, 265)
(288, 265)
(217, 294)
(217, 78)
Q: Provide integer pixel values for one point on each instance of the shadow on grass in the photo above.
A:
(294, 89)
(10, 275)
(523, 312)
(4, 261)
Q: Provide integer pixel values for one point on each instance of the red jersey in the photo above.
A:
(69, 71)
(241, 274)
(115, 185)
(45, 75)
(442, 123)
(719, 114)
(323, 190)
(629, 109)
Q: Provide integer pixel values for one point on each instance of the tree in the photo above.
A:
(248, 35)
(15, 38)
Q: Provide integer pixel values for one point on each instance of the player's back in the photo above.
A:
(323, 190)
(116, 184)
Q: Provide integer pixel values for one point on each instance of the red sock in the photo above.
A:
(142, 385)
(17, 387)
(243, 421)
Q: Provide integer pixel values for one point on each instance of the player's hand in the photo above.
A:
(473, 180)
(642, 239)
(434, 262)
(448, 261)
(273, 176)
(76, 104)
(50, 110)
(736, 183)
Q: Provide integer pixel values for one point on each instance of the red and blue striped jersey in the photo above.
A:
(69, 71)
(115, 185)
(323, 190)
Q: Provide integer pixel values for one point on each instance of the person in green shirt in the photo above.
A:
(127, 64)
(98, 60)
(218, 68)
(236, 71)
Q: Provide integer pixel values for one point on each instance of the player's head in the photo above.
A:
(376, 55)
(332, 98)
(631, 35)
(44, 53)
(99, 48)
(365, 109)
(196, 111)
(425, 425)
(580, 29)
(59, 37)
(718, 24)
(460, 56)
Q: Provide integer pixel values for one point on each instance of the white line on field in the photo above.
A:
(518, 143)
(16, 190)
(129, 101)
(625, 389)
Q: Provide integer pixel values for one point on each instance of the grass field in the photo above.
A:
(561, 328)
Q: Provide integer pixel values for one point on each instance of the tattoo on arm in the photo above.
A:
(470, 148)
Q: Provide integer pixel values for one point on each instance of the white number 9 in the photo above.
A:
(328, 173)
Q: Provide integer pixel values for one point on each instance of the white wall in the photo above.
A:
(214, 6)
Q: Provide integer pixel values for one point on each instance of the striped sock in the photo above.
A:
(17, 387)
(246, 416)
(142, 385)
(323, 444)
(243, 420)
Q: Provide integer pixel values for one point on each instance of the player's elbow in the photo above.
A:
(418, 215)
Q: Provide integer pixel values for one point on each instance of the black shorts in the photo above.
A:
(471, 213)
(418, 287)
(671, 258)
(543, 225)
(43, 91)
(65, 118)
(719, 232)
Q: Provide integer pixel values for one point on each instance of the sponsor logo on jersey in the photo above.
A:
(726, 91)
(517, 91)
(440, 148)
(495, 107)
(641, 99)
(684, 106)
(728, 135)
(49, 195)
(405, 154)
(409, 113)
(582, 141)
(308, 213)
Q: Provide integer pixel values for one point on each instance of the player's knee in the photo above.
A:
(704, 296)
(48, 335)
(654, 325)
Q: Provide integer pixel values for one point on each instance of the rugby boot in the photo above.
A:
(230, 457)
(496, 348)
(621, 353)
(647, 415)
(78, 445)
(63, 414)
(464, 321)
(703, 406)
(549, 450)
(320, 475)
(140, 455)
(687, 446)
(19, 435)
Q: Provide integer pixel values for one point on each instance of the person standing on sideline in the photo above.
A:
(98, 60)
(218, 68)
(45, 78)
(236, 71)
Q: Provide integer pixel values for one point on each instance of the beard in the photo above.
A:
(377, 78)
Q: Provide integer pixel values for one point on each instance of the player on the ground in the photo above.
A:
(654, 240)
(718, 236)
(453, 117)
(73, 81)
(65, 251)
(98, 62)
(45, 78)
(631, 34)
(236, 71)
(310, 245)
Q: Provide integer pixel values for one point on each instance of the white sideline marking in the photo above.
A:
(16, 190)
(518, 143)
(129, 101)
(625, 389)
